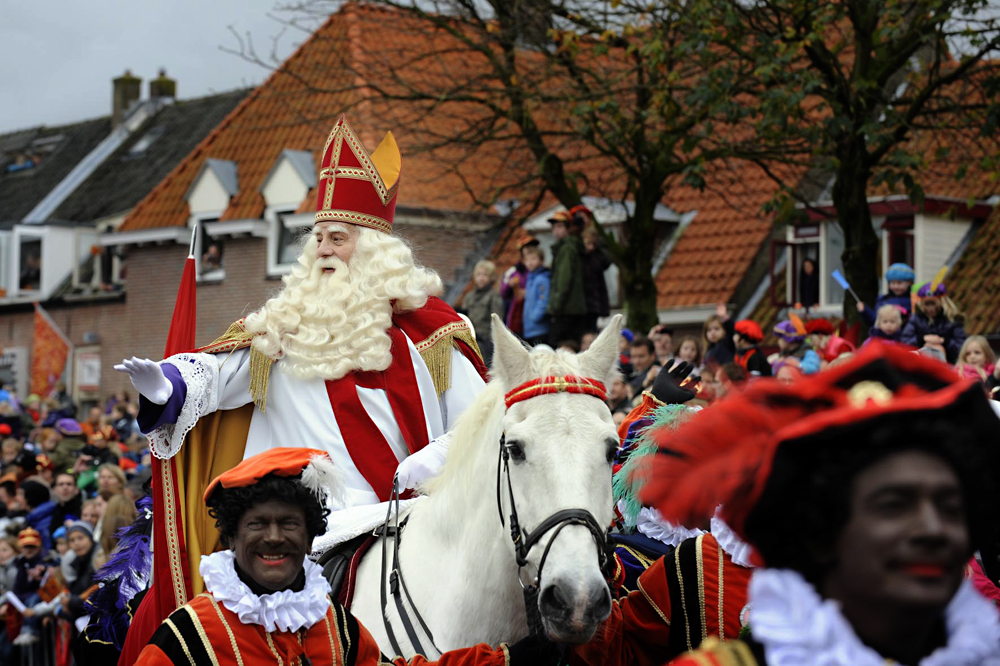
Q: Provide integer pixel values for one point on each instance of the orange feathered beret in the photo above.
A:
(287, 461)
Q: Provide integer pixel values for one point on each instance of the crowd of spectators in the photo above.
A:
(67, 485)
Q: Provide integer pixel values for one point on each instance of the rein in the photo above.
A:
(524, 540)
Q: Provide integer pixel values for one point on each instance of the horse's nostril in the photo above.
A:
(600, 603)
(553, 600)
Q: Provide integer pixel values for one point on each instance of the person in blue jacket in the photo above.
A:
(936, 323)
(900, 278)
(536, 296)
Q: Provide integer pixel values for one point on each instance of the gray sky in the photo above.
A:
(60, 57)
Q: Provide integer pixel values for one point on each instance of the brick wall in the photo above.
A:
(138, 326)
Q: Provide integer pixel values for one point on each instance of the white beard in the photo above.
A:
(326, 325)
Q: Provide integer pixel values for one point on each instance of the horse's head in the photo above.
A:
(560, 447)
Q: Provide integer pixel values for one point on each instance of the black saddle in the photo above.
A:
(336, 563)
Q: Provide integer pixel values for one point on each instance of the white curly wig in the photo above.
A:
(324, 325)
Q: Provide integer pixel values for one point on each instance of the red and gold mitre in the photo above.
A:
(355, 187)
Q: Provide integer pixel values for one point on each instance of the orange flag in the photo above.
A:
(50, 350)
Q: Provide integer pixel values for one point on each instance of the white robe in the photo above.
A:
(299, 413)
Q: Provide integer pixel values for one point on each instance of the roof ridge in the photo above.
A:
(200, 151)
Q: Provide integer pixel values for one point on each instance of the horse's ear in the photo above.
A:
(511, 359)
(601, 360)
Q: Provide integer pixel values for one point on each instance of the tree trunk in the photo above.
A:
(861, 244)
(640, 299)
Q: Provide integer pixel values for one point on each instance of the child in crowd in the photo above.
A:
(625, 352)
(536, 295)
(481, 303)
(512, 288)
(791, 343)
(900, 278)
(976, 359)
(747, 335)
(822, 337)
(719, 348)
(689, 350)
(888, 325)
(936, 323)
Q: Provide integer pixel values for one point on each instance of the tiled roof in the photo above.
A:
(21, 191)
(974, 281)
(714, 251)
(128, 175)
(295, 109)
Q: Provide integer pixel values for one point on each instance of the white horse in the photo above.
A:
(458, 560)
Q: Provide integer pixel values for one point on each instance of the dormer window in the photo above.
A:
(208, 197)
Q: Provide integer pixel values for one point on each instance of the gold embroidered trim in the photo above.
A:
(172, 544)
(680, 583)
(652, 603)
(346, 634)
(722, 626)
(354, 217)
(699, 560)
(656, 401)
(274, 650)
(205, 643)
(642, 559)
(180, 639)
(335, 652)
(506, 654)
(436, 348)
(232, 638)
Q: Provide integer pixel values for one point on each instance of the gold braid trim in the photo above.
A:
(436, 348)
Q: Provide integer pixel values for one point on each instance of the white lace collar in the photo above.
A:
(739, 550)
(798, 628)
(280, 611)
(652, 524)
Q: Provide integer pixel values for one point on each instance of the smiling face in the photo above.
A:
(899, 287)
(6, 552)
(271, 543)
(906, 542)
(688, 351)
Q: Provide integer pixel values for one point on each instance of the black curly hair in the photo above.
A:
(227, 505)
(806, 503)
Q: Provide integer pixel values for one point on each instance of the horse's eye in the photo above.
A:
(612, 448)
(516, 451)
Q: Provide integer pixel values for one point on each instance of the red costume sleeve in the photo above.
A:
(638, 628)
(152, 655)
(648, 404)
(480, 655)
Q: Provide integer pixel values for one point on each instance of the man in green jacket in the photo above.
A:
(567, 304)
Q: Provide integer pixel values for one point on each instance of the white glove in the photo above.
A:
(147, 378)
(422, 465)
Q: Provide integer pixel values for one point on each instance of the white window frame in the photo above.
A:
(825, 307)
(196, 220)
(292, 220)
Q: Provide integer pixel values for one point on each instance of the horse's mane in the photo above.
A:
(479, 425)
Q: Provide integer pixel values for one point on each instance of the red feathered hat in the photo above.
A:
(313, 465)
(726, 453)
(355, 187)
(820, 327)
(750, 330)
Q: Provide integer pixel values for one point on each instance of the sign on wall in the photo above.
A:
(14, 369)
(88, 371)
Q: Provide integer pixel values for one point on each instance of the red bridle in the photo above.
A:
(546, 385)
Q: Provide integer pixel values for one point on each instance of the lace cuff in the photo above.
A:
(201, 376)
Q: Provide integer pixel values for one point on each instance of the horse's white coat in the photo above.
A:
(457, 559)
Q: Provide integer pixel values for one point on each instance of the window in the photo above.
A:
(209, 252)
(811, 254)
(289, 234)
(30, 263)
(898, 238)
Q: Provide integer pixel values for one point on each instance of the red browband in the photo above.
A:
(546, 385)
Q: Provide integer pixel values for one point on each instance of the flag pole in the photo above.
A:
(194, 237)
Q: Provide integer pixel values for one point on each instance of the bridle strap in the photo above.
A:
(397, 583)
(562, 384)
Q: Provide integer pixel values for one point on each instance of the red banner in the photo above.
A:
(49, 353)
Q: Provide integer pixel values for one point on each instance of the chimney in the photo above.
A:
(125, 93)
(162, 87)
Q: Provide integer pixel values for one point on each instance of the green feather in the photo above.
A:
(627, 483)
